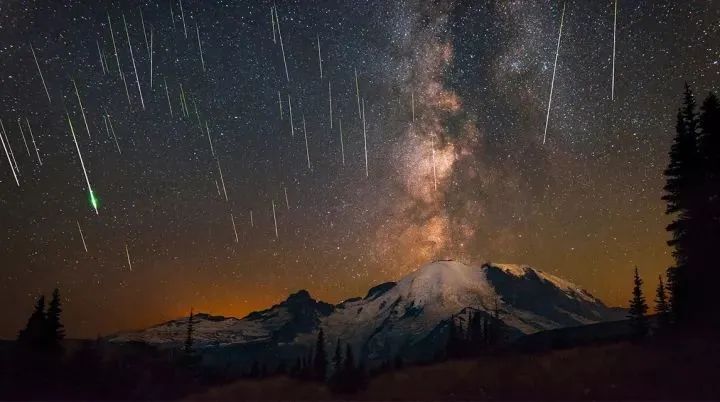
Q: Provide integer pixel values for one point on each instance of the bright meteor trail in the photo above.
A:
(93, 200)
(552, 83)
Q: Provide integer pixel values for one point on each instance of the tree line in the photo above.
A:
(692, 196)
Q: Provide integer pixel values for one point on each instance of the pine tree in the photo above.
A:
(55, 329)
(638, 307)
(681, 195)
(320, 361)
(188, 348)
(709, 149)
(661, 305)
(34, 334)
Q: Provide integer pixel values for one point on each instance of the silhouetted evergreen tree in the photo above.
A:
(55, 329)
(320, 361)
(708, 304)
(661, 305)
(638, 307)
(34, 334)
(681, 194)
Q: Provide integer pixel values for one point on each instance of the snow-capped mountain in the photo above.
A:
(407, 318)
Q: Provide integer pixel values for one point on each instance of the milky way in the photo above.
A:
(455, 101)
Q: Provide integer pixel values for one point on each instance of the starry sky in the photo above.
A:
(455, 97)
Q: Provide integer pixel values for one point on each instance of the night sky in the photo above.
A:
(585, 205)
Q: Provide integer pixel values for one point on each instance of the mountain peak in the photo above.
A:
(299, 296)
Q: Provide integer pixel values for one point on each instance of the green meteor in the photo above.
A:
(93, 200)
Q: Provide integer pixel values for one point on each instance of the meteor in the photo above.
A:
(112, 129)
(202, 61)
(93, 199)
(330, 97)
(22, 134)
(182, 16)
(432, 139)
(172, 15)
(40, 71)
(12, 154)
(127, 253)
(272, 22)
(252, 222)
(307, 150)
(287, 203)
(292, 126)
(282, 48)
(167, 93)
(232, 219)
(221, 179)
(142, 21)
(32, 137)
(342, 145)
(412, 97)
(357, 92)
(81, 236)
(102, 65)
(367, 174)
(117, 59)
(280, 104)
(552, 83)
(151, 56)
(127, 92)
(82, 110)
(8, 158)
(319, 55)
(137, 78)
(275, 220)
(612, 88)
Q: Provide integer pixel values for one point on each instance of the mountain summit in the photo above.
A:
(406, 318)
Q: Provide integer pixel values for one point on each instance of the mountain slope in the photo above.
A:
(407, 318)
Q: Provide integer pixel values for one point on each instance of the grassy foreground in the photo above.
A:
(671, 367)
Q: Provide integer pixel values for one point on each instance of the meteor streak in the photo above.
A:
(319, 56)
(93, 200)
(292, 126)
(287, 203)
(167, 94)
(357, 92)
(40, 71)
(280, 105)
(112, 129)
(552, 83)
(612, 88)
(182, 16)
(82, 110)
(137, 78)
(81, 236)
(282, 47)
(12, 154)
(151, 56)
(307, 150)
(275, 220)
(22, 134)
(127, 92)
(232, 219)
(32, 137)
(342, 145)
(202, 61)
(127, 252)
(102, 65)
(117, 59)
(9, 161)
(330, 97)
(221, 179)
(367, 174)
